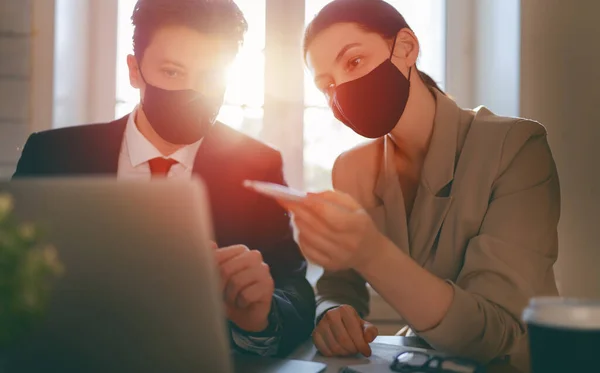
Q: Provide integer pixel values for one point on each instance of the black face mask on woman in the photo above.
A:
(180, 117)
(373, 104)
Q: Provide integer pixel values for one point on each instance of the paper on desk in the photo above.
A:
(368, 368)
(380, 361)
(385, 353)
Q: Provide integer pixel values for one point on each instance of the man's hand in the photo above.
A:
(341, 332)
(247, 287)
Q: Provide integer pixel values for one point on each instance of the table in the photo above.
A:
(384, 348)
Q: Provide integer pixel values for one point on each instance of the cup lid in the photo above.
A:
(564, 312)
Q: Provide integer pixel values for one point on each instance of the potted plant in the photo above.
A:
(28, 268)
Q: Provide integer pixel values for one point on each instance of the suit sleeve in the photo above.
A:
(294, 297)
(511, 258)
(27, 162)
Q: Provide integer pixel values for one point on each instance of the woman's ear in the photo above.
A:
(407, 47)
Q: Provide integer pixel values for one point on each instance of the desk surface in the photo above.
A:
(384, 348)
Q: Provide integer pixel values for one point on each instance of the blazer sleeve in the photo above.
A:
(346, 287)
(294, 296)
(511, 258)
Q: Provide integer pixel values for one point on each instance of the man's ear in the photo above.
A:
(135, 78)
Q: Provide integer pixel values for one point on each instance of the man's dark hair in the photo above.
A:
(217, 17)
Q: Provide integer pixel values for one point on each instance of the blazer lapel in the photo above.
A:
(113, 140)
(428, 215)
(102, 149)
(215, 144)
(434, 198)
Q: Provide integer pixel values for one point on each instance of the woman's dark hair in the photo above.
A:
(221, 17)
(375, 16)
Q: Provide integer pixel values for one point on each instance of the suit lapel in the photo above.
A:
(108, 148)
(215, 145)
(434, 198)
(91, 150)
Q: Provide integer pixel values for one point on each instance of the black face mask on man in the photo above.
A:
(373, 104)
(180, 117)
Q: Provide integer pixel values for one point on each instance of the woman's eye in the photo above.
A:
(354, 62)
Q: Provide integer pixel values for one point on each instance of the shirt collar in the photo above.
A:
(141, 150)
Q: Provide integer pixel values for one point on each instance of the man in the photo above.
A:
(181, 51)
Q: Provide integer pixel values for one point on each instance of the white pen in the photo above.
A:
(275, 191)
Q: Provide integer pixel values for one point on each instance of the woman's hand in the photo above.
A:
(341, 332)
(334, 231)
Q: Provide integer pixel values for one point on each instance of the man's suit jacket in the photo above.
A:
(484, 218)
(224, 160)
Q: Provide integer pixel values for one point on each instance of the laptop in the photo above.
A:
(140, 288)
(139, 292)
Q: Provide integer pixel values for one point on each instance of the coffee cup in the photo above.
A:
(564, 334)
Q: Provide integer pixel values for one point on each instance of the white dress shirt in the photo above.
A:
(136, 151)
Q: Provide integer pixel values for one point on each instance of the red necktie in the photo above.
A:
(159, 167)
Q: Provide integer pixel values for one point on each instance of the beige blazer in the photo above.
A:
(485, 218)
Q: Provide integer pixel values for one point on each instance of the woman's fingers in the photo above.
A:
(340, 333)
(354, 326)
(338, 198)
(370, 331)
(338, 348)
(321, 345)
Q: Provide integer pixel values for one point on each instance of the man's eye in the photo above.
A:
(171, 73)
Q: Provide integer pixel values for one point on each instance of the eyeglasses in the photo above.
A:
(420, 362)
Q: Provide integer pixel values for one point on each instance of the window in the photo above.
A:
(244, 100)
(324, 137)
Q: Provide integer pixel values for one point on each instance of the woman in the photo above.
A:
(449, 214)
